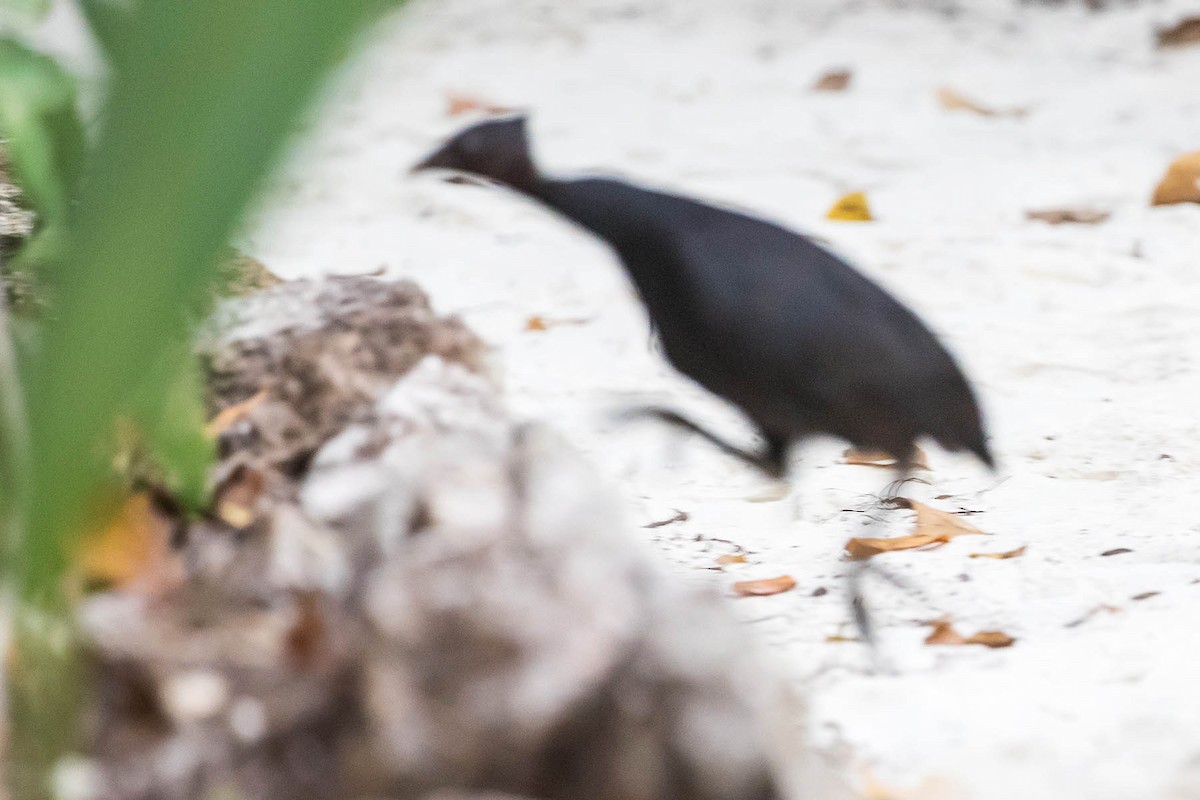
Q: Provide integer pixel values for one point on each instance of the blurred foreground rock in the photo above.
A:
(427, 601)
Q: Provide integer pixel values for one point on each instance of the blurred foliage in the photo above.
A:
(202, 96)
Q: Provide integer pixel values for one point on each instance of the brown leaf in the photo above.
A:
(1181, 34)
(730, 558)
(1116, 551)
(132, 551)
(540, 323)
(933, 526)
(836, 80)
(1180, 183)
(1020, 551)
(764, 587)
(1107, 609)
(878, 458)
(1059, 216)
(850, 208)
(680, 516)
(236, 499)
(952, 100)
(943, 633)
(307, 640)
(231, 415)
(462, 103)
(1145, 595)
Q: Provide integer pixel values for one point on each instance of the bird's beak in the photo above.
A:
(438, 159)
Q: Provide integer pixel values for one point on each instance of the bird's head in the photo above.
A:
(497, 149)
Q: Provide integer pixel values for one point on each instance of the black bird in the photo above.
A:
(796, 338)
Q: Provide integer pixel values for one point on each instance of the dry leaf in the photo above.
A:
(850, 208)
(766, 586)
(308, 638)
(1145, 595)
(878, 458)
(729, 558)
(231, 415)
(236, 499)
(1020, 551)
(951, 100)
(943, 633)
(1107, 609)
(462, 103)
(836, 80)
(540, 323)
(1116, 551)
(680, 516)
(1181, 183)
(1181, 34)
(1078, 216)
(133, 550)
(933, 526)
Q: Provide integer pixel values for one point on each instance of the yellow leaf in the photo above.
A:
(850, 208)
(728, 559)
(132, 551)
(1181, 183)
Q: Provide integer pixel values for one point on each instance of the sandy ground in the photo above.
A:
(1083, 340)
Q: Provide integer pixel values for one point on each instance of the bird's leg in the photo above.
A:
(772, 461)
(858, 603)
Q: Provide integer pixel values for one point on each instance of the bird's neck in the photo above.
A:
(610, 209)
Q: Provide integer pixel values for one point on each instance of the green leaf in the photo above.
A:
(110, 21)
(202, 99)
(34, 9)
(39, 120)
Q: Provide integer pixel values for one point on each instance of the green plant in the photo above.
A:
(202, 96)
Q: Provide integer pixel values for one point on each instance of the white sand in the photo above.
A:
(1083, 340)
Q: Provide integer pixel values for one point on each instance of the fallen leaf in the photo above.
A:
(1145, 595)
(1116, 551)
(878, 458)
(236, 499)
(836, 80)
(850, 208)
(952, 100)
(729, 558)
(820, 591)
(132, 551)
(764, 587)
(1180, 183)
(1098, 609)
(837, 637)
(943, 633)
(1020, 551)
(1181, 34)
(462, 103)
(680, 516)
(1060, 216)
(933, 526)
(540, 323)
(308, 636)
(227, 417)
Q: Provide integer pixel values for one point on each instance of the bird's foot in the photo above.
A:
(779, 489)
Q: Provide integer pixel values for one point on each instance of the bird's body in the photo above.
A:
(793, 336)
